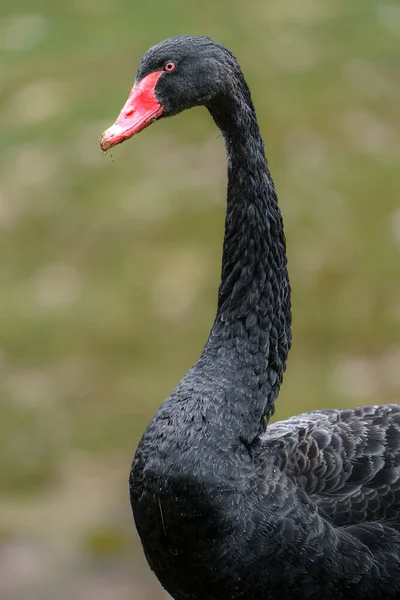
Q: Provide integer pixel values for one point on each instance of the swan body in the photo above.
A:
(228, 507)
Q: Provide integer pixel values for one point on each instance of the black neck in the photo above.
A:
(253, 314)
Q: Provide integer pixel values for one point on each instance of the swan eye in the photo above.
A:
(169, 66)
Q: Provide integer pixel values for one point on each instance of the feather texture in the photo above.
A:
(347, 462)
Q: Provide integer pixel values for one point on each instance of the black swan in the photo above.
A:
(228, 507)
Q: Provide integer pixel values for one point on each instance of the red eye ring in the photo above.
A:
(169, 66)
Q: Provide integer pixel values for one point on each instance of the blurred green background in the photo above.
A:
(109, 271)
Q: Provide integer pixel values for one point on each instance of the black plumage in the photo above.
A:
(228, 507)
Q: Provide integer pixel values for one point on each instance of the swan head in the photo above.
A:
(174, 75)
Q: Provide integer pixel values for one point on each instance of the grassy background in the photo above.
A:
(108, 271)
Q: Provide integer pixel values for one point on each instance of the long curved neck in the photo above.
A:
(253, 317)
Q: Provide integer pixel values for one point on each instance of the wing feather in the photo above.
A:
(347, 461)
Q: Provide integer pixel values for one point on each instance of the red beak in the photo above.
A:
(139, 111)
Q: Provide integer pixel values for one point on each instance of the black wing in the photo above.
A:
(347, 461)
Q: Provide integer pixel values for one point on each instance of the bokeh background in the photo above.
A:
(109, 271)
